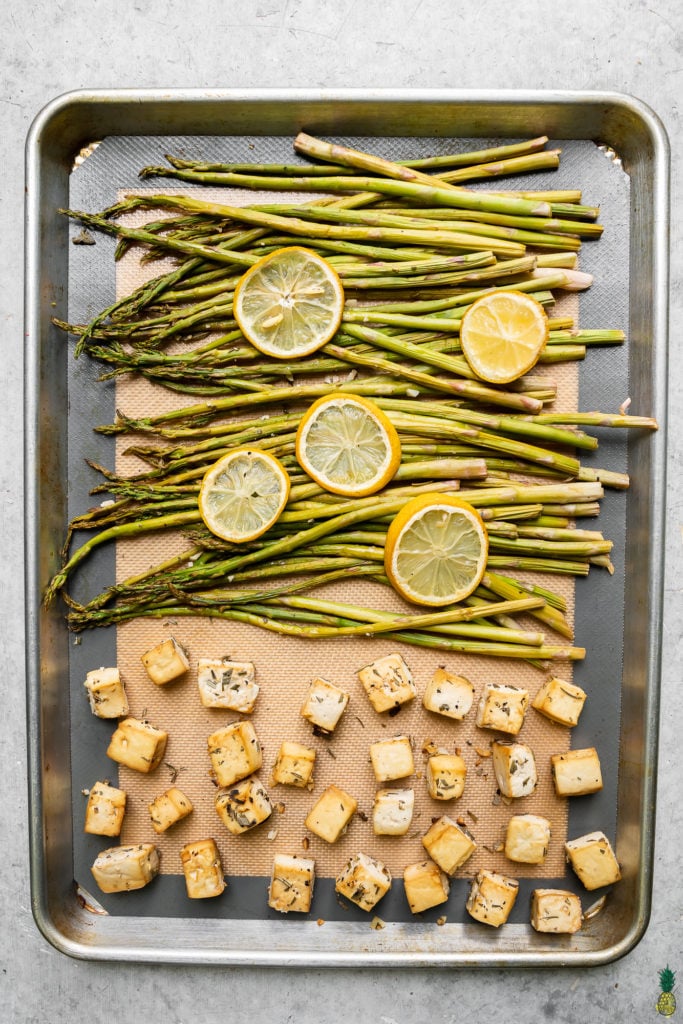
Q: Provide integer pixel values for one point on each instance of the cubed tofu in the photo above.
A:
(527, 838)
(291, 884)
(448, 844)
(168, 808)
(392, 811)
(502, 708)
(446, 774)
(491, 898)
(392, 758)
(555, 910)
(165, 662)
(514, 766)
(105, 810)
(201, 863)
(560, 701)
(294, 765)
(324, 705)
(137, 745)
(577, 772)
(227, 684)
(426, 885)
(592, 858)
(388, 683)
(449, 695)
(235, 752)
(123, 868)
(243, 806)
(106, 693)
(364, 881)
(330, 815)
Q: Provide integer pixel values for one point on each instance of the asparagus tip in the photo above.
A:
(55, 585)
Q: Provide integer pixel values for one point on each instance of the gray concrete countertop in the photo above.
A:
(48, 48)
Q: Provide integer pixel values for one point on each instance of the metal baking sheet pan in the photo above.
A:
(614, 147)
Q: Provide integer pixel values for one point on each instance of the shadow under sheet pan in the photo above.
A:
(615, 150)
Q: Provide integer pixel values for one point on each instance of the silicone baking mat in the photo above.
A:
(285, 667)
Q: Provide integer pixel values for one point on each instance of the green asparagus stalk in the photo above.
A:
(448, 160)
(416, 191)
(336, 154)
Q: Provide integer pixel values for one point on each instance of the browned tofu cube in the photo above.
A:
(392, 811)
(165, 662)
(291, 884)
(137, 745)
(557, 911)
(235, 752)
(514, 766)
(124, 868)
(491, 898)
(364, 881)
(448, 694)
(392, 758)
(201, 863)
(106, 693)
(560, 701)
(243, 806)
(324, 705)
(446, 774)
(105, 810)
(168, 808)
(294, 765)
(388, 683)
(502, 708)
(448, 844)
(426, 886)
(226, 684)
(577, 772)
(527, 838)
(331, 814)
(592, 858)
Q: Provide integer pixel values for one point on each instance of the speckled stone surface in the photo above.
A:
(49, 48)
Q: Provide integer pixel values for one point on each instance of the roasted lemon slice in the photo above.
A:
(289, 304)
(347, 445)
(243, 494)
(436, 550)
(503, 334)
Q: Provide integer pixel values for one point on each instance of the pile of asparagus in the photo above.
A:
(414, 249)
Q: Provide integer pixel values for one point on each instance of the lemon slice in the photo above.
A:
(289, 304)
(436, 550)
(347, 445)
(503, 334)
(243, 494)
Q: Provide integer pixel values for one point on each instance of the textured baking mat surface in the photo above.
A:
(284, 669)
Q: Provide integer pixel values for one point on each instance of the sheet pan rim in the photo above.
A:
(46, 920)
